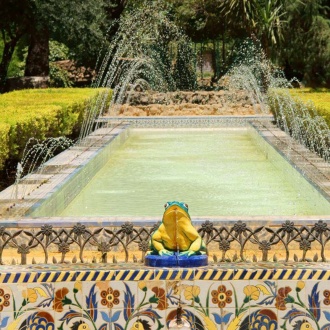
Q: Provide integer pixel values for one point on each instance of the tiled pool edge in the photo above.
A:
(261, 123)
(81, 175)
(305, 162)
(79, 168)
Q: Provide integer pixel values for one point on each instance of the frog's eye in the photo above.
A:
(166, 205)
(185, 205)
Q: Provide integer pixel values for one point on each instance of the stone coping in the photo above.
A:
(63, 222)
(312, 167)
(36, 188)
(138, 272)
(186, 121)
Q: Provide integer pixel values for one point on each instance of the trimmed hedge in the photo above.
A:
(4, 143)
(320, 98)
(306, 121)
(40, 113)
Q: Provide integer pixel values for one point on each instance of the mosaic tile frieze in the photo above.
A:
(211, 304)
(235, 242)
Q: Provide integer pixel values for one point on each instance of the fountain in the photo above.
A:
(139, 58)
(264, 271)
(267, 86)
(35, 154)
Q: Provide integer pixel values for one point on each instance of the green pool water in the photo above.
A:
(217, 172)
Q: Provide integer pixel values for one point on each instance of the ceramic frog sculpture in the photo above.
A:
(176, 233)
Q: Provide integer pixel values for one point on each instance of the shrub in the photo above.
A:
(303, 120)
(58, 77)
(4, 143)
(320, 98)
(40, 113)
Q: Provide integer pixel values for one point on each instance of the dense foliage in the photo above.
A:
(294, 34)
(81, 27)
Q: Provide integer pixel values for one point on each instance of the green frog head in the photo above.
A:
(176, 233)
(181, 205)
(175, 211)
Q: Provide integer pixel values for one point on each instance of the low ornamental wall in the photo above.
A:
(59, 240)
(231, 296)
(246, 294)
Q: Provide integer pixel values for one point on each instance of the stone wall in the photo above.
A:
(182, 97)
(79, 75)
(182, 103)
(19, 83)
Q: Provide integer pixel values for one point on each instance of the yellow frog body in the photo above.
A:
(176, 233)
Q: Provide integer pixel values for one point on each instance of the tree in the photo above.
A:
(269, 24)
(37, 63)
(82, 26)
(260, 19)
(242, 16)
(15, 17)
(75, 24)
(306, 51)
(201, 20)
(204, 22)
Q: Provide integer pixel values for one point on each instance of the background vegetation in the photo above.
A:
(317, 99)
(320, 97)
(294, 34)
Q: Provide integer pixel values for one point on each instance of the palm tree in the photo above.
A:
(241, 14)
(269, 23)
(260, 18)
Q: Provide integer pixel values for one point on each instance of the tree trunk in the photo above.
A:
(223, 48)
(114, 12)
(214, 62)
(7, 55)
(37, 61)
(202, 62)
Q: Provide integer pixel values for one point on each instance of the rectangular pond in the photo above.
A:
(217, 171)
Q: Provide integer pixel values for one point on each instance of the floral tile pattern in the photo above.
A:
(297, 298)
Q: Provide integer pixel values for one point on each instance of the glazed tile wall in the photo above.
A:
(193, 121)
(232, 296)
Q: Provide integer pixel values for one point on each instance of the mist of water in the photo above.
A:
(267, 87)
(148, 52)
(36, 153)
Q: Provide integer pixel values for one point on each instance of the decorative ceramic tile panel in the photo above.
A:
(242, 296)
